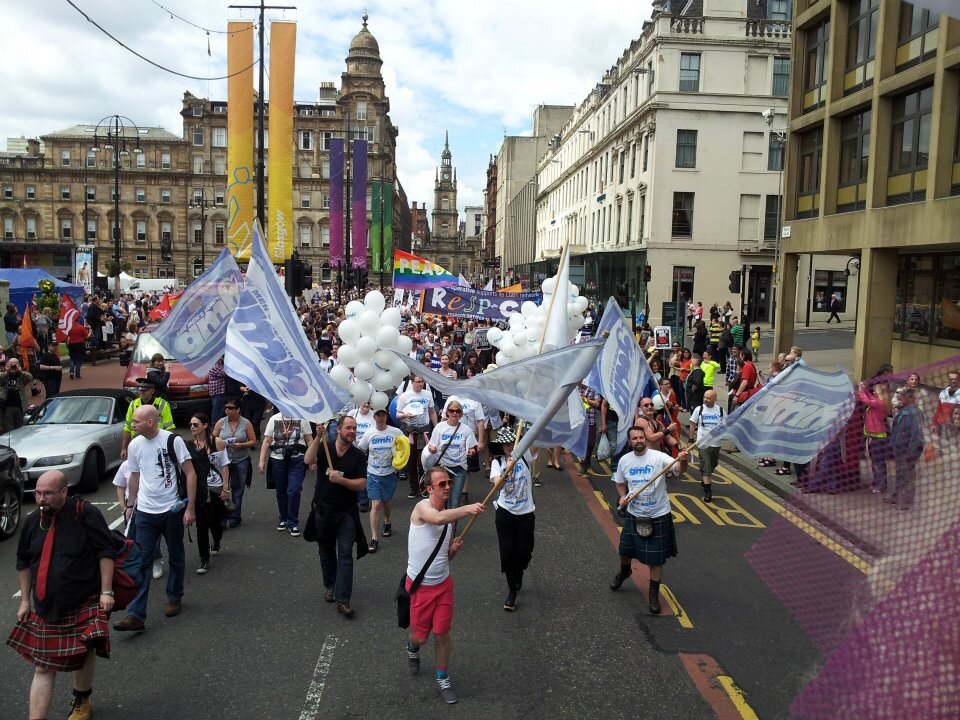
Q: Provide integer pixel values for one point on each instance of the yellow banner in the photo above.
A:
(240, 168)
(283, 42)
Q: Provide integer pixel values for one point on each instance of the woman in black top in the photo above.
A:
(210, 508)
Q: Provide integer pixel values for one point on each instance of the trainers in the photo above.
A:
(281, 526)
(387, 530)
(295, 531)
(129, 624)
(171, 608)
(80, 709)
(373, 545)
(536, 482)
(157, 569)
(412, 495)
(446, 691)
(344, 609)
(413, 661)
(203, 569)
(215, 550)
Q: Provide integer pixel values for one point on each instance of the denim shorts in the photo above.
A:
(381, 487)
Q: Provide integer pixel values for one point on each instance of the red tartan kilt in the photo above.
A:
(63, 646)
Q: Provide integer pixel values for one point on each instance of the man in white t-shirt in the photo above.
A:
(704, 418)
(648, 534)
(153, 490)
(285, 441)
(379, 445)
(951, 393)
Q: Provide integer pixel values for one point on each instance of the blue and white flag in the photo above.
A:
(195, 331)
(268, 351)
(792, 418)
(621, 374)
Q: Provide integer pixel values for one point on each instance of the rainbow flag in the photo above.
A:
(415, 273)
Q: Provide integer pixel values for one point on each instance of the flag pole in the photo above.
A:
(553, 296)
(632, 496)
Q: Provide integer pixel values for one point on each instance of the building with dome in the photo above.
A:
(177, 190)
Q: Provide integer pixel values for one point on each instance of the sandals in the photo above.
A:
(766, 462)
(782, 471)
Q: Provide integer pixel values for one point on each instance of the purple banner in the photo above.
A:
(359, 228)
(336, 202)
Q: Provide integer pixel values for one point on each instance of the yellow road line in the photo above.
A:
(678, 610)
(803, 525)
(736, 697)
(603, 502)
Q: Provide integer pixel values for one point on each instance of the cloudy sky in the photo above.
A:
(475, 68)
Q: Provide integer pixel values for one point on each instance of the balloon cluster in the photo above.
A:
(369, 332)
(522, 339)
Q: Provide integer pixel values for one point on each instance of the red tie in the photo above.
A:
(45, 560)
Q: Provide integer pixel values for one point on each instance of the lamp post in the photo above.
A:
(203, 205)
(778, 138)
(112, 131)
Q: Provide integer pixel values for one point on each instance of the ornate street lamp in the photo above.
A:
(203, 205)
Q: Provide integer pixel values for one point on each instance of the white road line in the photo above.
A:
(16, 594)
(117, 523)
(315, 692)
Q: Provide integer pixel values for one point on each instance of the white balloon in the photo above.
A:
(515, 320)
(404, 344)
(375, 301)
(383, 360)
(347, 355)
(501, 359)
(533, 335)
(581, 303)
(366, 347)
(379, 401)
(369, 323)
(398, 367)
(360, 392)
(574, 290)
(391, 316)
(354, 308)
(507, 351)
(387, 337)
(341, 376)
(382, 380)
(494, 334)
(548, 286)
(528, 308)
(520, 338)
(397, 376)
(364, 370)
(349, 331)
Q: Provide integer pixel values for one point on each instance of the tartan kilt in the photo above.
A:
(63, 646)
(653, 550)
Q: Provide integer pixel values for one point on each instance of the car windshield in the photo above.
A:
(146, 347)
(77, 410)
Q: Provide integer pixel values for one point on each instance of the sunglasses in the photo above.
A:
(230, 407)
(194, 424)
(443, 484)
(454, 410)
(647, 405)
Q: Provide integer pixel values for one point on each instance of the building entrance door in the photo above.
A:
(759, 295)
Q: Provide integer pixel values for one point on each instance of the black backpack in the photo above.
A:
(201, 465)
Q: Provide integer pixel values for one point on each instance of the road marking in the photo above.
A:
(603, 502)
(117, 523)
(803, 525)
(706, 672)
(311, 705)
(736, 696)
(678, 610)
(16, 594)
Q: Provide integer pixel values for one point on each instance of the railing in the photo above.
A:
(773, 29)
(687, 25)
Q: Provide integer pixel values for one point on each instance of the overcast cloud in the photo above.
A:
(467, 66)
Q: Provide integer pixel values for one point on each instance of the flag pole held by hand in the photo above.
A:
(632, 496)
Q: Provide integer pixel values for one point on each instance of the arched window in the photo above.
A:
(325, 272)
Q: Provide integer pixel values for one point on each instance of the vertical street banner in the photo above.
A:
(336, 203)
(359, 219)
(283, 43)
(83, 264)
(376, 223)
(387, 192)
(240, 175)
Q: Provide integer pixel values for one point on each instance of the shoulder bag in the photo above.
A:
(403, 595)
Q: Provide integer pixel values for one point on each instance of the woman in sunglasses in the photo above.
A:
(451, 443)
(206, 451)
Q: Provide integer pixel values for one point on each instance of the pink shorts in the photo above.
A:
(431, 609)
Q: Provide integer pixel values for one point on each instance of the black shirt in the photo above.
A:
(10, 323)
(353, 465)
(82, 539)
(13, 392)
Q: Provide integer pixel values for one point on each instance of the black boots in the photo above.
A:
(625, 572)
(653, 598)
(707, 492)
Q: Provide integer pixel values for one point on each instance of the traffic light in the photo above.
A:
(647, 273)
(735, 282)
(292, 276)
(306, 275)
(361, 278)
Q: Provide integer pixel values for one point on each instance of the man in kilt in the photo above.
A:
(647, 534)
(65, 566)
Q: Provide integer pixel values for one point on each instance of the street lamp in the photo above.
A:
(112, 131)
(779, 139)
(203, 205)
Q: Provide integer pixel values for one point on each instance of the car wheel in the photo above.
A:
(10, 510)
(90, 476)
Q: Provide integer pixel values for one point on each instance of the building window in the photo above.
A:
(633, 160)
(361, 110)
(65, 158)
(165, 161)
(196, 110)
(444, 203)
(91, 159)
(749, 227)
(325, 236)
(325, 274)
(31, 228)
(623, 163)
(327, 137)
(682, 221)
(775, 153)
(305, 200)
(781, 76)
(816, 67)
(646, 150)
(916, 35)
(141, 195)
(197, 198)
(629, 219)
(910, 146)
(141, 231)
(8, 192)
(306, 139)
(686, 148)
(826, 284)
(641, 217)
(778, 9)
(91, 193)
(197, 267)
(219, 197)
(808, 186)
(91, 229)
(197, 233)
(141, 160)
(325, 201)
(689, 72)
(771, 218)
(219, 233)
(7, 227)
(166, 231)
(31, 192)
(198, 136)
(165, 197)
(306, 235)
(219, 165)
(861, 45)
(64, 192)
(66, 228)
(219, 137)
(198, 164)
(854, 161)
(928, 299)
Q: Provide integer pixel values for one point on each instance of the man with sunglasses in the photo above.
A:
(431, 604)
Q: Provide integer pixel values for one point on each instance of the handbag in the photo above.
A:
(310, 528)
(403, 595)
(268, 475)
(440, 456)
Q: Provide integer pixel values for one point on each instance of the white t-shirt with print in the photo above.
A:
(706, 418)
(634, 471)
(365, 423)
(472, 411)
(158, 475)
(284, 431)
(417, 403)
(378, 444)
(516, 495)
(456, 454)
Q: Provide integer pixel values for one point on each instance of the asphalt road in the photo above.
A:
(256, 639)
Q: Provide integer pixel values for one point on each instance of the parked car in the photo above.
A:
(77, 432)
(11, 492)
(186, 392)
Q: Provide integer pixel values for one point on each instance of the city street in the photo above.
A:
(256, 639)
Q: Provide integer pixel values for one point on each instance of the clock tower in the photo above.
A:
(444, 225)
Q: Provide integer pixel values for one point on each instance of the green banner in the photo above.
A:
(376, 228)
(387, 225)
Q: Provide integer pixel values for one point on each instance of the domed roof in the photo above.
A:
(364, 42)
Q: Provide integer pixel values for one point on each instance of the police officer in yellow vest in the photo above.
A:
(148, 396)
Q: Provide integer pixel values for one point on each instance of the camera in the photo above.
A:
(288, 451)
